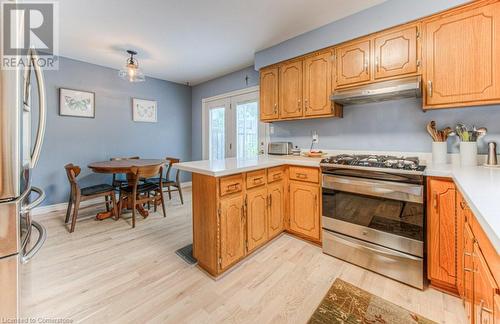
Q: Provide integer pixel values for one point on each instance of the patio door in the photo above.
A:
(232, 127)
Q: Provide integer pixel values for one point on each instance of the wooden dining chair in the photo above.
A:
(140, 193)
(77, 194)
(169, 183)
(118, 183)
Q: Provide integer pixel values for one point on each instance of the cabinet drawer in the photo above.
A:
(304, 174)
(231, 184)
(256, 178)
(275, 174)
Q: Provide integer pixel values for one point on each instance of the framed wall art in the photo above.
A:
(144, 110)
(76, 103)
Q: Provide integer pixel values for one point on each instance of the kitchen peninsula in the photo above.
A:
(240, 205)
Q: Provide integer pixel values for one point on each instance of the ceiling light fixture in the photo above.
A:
(131, 71)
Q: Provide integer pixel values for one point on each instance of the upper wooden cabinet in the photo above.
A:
(396, 52)
(441, 234)
(353, 62)
(318, 84)
(290, 93)
(462, 57)
(269, 93)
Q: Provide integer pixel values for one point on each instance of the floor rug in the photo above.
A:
(186, 254)
(345, 303)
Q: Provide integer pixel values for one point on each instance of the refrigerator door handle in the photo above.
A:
(42, 236)
(34, 203)
(33, 59)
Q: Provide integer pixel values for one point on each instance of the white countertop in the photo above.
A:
(480, 186)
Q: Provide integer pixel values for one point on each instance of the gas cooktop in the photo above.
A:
(375, 161)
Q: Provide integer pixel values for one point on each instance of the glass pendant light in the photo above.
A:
(131, 71)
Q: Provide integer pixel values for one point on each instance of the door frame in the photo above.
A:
(205, 103)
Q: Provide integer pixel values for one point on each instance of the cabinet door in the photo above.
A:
(269, 93)
(304, 209)
(318, 84)
(396, 53)
(276, 207)
(232, 234)
(257, 231)
(462, 57)
(290, 94)
(484, 289)
(442, 233)
(468, 276)
(353, 63)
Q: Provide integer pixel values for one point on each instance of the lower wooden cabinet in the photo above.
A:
(276, 192)
(256, 203)
(442, 234)
(484, 289)
(304, 209)
(232, 231)
(467, 271)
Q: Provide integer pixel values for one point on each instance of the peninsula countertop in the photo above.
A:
(480, 186)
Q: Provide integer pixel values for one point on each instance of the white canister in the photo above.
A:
(439, 152)
(468, 153)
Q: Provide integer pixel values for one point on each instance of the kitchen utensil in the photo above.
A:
(431, 129)
(481, 132)
(461, 131)
(492, 154)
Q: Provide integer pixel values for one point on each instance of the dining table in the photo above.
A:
(123, 166)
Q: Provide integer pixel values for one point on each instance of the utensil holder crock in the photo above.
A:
(439, 152)
(468, 153)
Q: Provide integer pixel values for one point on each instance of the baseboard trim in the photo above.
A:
(62, 206)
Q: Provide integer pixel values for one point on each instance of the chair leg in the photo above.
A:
(75, 214)
(115, 207)
(149, 203)
(155, 207)
(133, 211)
(180, 193)
(68, 211)
(107, 203)
(169, 193)
(120, 204)
(162, 203)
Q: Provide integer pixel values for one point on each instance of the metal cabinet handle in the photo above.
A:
(234, 186)
(257, 180)
(42, 236)
(275, 108)
(429, 88)
(436, 207)
(270, 200)
(277, 175)
(366, 67)
(463, 205)
(377, 64)
(301, 175)
(37, 148)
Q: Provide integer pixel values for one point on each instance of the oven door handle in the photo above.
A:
(381, 250)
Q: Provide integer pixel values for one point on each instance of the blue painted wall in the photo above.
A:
(227, 83)
(382, 16)
(112, 132)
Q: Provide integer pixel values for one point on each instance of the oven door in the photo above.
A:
(386, 213)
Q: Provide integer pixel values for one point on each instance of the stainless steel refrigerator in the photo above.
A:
(18, 242)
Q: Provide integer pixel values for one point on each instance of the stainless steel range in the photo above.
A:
(373, 214)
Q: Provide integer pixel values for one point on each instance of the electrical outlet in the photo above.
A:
(315, 137)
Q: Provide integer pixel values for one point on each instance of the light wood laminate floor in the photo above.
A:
(108, 272)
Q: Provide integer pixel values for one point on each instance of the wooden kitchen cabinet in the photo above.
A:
(485, 289)
(353, 62)
(442, 234)
(462, 57)
(304, 209)
(290, 90)
(467, 270)
(276, 193)
(396, 52)
(257, 218)
(318, 84)
(232, 231)
(269, 90)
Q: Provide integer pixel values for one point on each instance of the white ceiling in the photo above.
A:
(189, 40)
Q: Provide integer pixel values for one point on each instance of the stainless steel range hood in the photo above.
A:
(409, 87)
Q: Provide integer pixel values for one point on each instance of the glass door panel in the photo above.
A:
(217, 135)
(247, 129)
